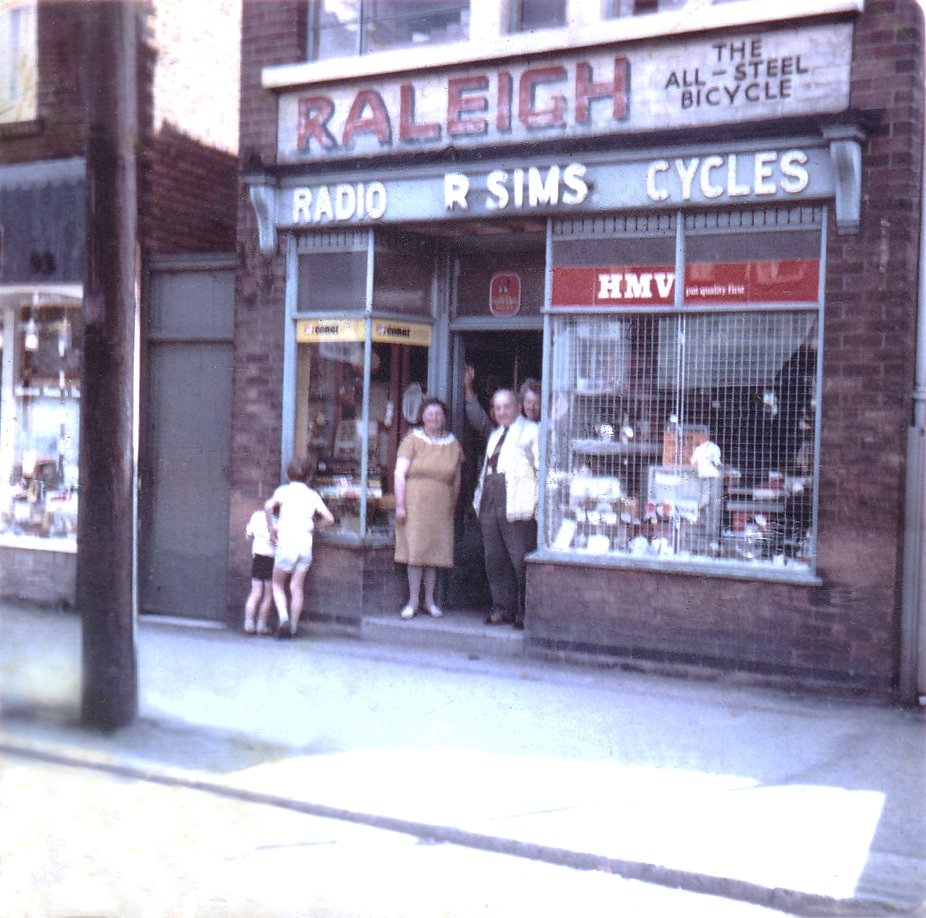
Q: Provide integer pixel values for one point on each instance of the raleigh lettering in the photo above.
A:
(482, 104)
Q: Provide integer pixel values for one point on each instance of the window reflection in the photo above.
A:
(344, 27)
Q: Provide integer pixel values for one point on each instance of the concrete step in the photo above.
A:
(464, 631)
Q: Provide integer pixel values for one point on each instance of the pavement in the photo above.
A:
(805, 804)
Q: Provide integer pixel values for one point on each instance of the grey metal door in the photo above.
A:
(185, 437)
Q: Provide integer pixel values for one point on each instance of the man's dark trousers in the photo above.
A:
(506, 543)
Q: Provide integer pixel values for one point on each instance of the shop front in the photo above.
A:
(669, 292)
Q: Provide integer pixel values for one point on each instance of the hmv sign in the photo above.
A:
(588, 93)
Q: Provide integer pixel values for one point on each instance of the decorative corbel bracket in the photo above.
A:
(263, 194)
(846, 154)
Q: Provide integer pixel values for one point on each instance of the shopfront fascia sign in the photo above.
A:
(521, 188)
(589, 93)
(320, 331)
(706, 284)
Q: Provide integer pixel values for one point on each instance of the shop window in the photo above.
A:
(329, 413)
(332, 369)
(39, 420)
(18, 60)
(341, 28)
(686, 431)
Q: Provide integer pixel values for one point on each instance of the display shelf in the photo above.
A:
(593, 447)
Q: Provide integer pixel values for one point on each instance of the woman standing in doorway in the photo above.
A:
(427, 486)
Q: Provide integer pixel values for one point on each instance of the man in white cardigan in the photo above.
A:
(506, 503)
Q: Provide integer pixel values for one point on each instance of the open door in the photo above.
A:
(502, 359)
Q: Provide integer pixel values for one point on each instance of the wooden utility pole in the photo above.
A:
(106, 593)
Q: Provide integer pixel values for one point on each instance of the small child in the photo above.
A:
(262, 553)
(297, 505)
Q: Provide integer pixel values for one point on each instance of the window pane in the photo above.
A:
(618, 8)
(402, 23)
(332, 282)
(540, 14)
(653, 250)
(39, 414)
(18, 60)
(403, 271)
(773, 267)
(336, 28)
(478, 274)
(684, 437)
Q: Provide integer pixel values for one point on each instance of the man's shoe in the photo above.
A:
(498, 618)
(519, 624)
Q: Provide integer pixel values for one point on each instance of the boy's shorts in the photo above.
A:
(261, 567)
(294, 556)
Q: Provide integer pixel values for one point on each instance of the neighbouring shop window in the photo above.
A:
(329, 415)
(39, 419)
(340, 28)
(686, 431)
(18, 60)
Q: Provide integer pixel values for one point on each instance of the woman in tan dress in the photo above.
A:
(427, 485)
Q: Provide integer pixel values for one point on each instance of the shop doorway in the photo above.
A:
(500, 359)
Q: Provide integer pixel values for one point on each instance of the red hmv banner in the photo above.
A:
(706, 283)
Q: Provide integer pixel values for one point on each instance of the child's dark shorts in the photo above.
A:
(261, 567)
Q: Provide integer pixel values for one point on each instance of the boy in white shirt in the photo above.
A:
(297, 504)
(261, 572)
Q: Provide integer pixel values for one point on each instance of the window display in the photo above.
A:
(683, 427)
(329, 412)
(39, 416)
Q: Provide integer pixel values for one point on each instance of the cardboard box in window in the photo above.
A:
(679, 442)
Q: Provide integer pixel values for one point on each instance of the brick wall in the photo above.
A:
(272, 33)
(868, 360)
(188, 195)
(61, 112)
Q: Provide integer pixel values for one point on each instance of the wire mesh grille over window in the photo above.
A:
(684, 436)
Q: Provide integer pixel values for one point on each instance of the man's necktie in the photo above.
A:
(493, 459)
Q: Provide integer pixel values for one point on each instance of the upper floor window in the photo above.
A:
(18, 60)
(341, 28)
(618, 8)
(539, 14)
